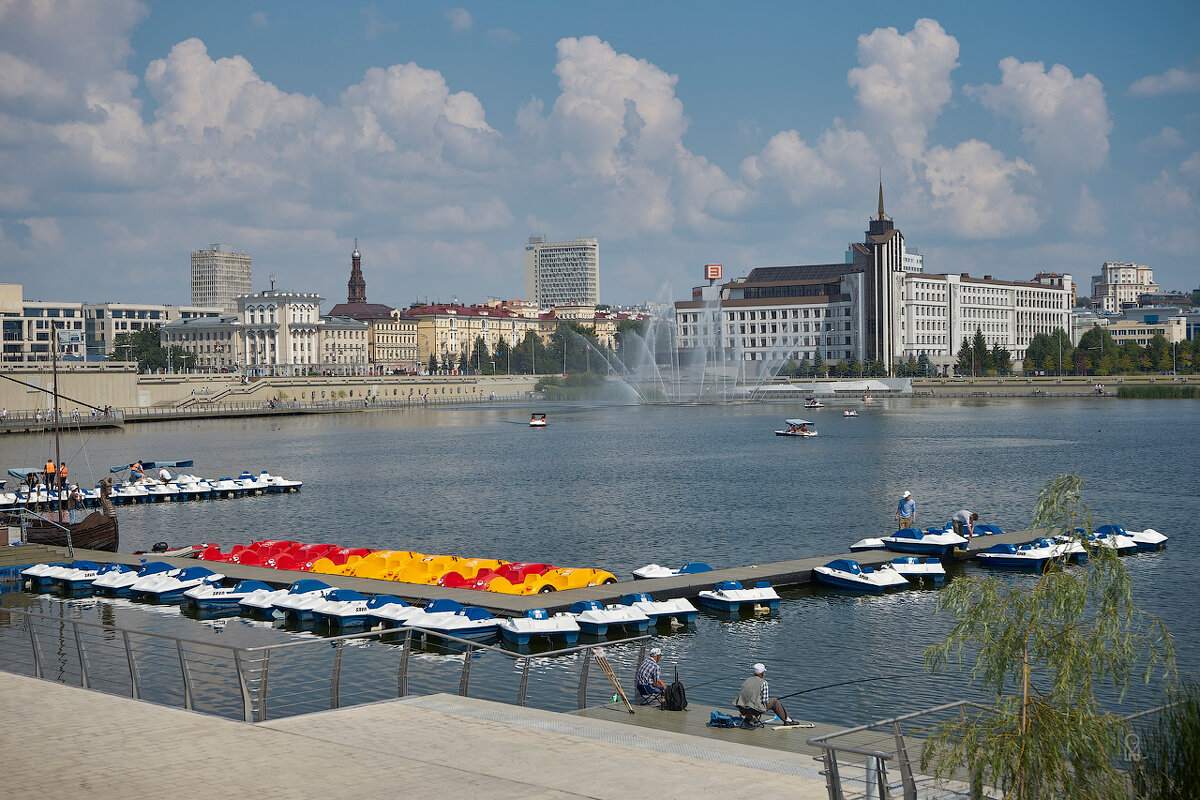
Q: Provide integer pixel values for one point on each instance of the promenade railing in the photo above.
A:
(306, 674)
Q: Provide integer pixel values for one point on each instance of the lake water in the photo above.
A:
(618, 487)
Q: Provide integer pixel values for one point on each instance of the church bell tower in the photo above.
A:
(357, 284)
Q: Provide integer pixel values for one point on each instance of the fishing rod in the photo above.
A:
(843, 683)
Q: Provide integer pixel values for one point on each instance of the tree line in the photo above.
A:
(1099, 354)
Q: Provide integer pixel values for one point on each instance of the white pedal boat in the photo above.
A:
(392, 612)
(275, 483)
(1148, 539)
(731, 596)
(165, 586)
(80, 576)
(596, 619)
(444, 616)
(657, 571)
(870, 543)
(298, 606)
(215, 597)
(538, 623)
(929, 542)
(117, 584)
(346, 608)
(1122, 543)
(844, 573)
(679, 609)
(914, 569)
(262, 602)
(850, 412)
(1034, 555)
(34, 575)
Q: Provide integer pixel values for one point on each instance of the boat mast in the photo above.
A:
(57, 455)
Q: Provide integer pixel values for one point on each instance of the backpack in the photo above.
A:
(675, 697)
(718, 719)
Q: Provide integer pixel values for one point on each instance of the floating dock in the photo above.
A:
(780, 574)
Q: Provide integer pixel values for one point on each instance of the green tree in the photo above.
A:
(480, 356)
(1169, 768)
(803, 369)
(144, 348)
(433, 363)
(501, 354)
(855, 367)
(840, 369)
(819, 369)
(980, 356)
(924, 366)
(462, 365)
(1001, 359)
(1038, 653)
(965, 365)
(1097, 343)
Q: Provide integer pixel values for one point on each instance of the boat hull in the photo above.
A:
(94, 532)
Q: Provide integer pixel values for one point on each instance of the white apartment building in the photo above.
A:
(27, 327)
(870, 308)
(562, 273)
(1120, 284)
(214, 341)
(219, 277)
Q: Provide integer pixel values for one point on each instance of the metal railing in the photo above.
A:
(22, 516)
(289, 678)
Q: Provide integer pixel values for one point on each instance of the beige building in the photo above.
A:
(1119, 285)
(28, 326)
(343, 345)
(391, 335)
(447, 331)
(219, 277)
(103, 322)
(1130, 330)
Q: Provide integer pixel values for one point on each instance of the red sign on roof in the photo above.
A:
(712, 272)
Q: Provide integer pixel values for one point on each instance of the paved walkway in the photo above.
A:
(62, 741)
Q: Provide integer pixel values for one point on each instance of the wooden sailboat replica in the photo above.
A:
(97, 530)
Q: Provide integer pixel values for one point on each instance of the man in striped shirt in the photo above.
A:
(649, 684)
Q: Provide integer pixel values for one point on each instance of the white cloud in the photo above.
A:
(1173, 81)
(1089, 214)
(904, 81)
(976, 191)
(259, 19)
(1173, 210)
(1065, 119)
(1191, 166)
(1166, 139)
(460, 19)
(788, 164)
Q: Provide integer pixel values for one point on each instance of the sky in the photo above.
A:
(1011, 138)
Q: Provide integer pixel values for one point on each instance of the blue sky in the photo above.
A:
(1012, 138)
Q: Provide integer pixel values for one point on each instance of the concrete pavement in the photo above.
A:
(62, 741)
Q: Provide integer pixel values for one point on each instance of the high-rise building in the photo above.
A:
(219, 276)
(1119, 284)
(562, 273)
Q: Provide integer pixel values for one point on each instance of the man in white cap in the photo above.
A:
(906, 511)
(755, 697)
(649, 684)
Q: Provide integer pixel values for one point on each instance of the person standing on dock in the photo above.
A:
(62, 476)
(50, 472)
(906, 511)
(964, 524)
(755, 697)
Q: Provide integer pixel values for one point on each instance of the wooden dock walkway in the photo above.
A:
(780, 574)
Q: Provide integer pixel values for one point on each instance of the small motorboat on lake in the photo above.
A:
(537, 420)
(914, 569)
(798, 427)
(844, 573)
(929, 542)
(732, 597)
(538, 623)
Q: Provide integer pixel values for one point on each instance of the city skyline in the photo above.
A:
(443, 135)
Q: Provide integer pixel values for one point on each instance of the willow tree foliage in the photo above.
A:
(1039, 654)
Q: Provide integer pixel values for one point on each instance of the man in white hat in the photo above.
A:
(755, 697)
(906, 511)
(648, 680)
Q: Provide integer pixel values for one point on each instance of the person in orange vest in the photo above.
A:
(50, 473)
(135, 472)
(62, 476)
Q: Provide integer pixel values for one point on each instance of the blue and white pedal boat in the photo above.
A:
(78, 577)
(261, 603)
(298, 606)
(538, 623)
(929, 542)
(732, 597)
(392, 612)
(597, 620)
(914, 569)
(444, 616)
(658, 571)
(679, 609)
(1122, 543)
(1146, 540)
(118, 584)
(346, 608)
(215, 597)
(166, 586)
(40, 577)
(845, 573)
(870, 543)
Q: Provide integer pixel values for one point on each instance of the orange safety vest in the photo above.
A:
(62, 471)
(50, 468)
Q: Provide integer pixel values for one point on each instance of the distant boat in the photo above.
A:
(850, 412)
(798, 427)
(813, 402)
(537, 420)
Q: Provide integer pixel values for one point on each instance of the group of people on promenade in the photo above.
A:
(754, 698)
(962, 521)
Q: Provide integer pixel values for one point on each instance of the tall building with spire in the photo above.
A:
(357, 284)
(870, 308)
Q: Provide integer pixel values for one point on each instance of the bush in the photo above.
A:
(1158, 392)
(1169, 765)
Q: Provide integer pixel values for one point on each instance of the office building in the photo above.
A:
(562, 273)
(1120, 285)
(219, 277)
